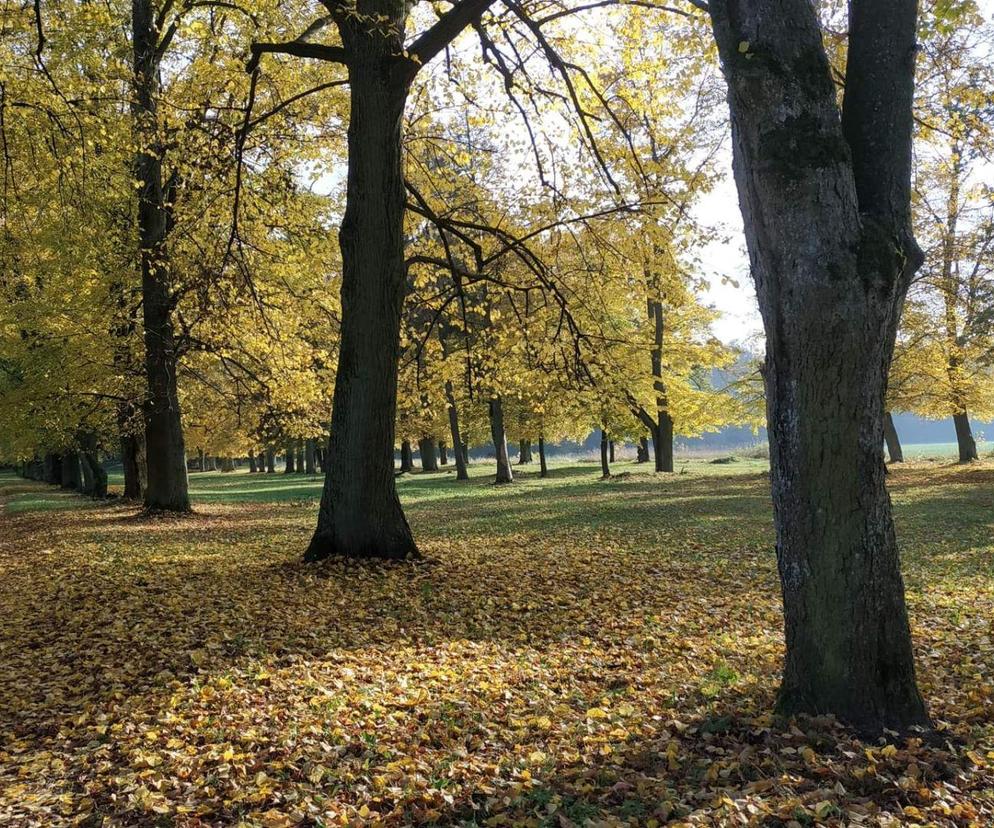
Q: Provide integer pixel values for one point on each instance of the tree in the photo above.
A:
(826, 202)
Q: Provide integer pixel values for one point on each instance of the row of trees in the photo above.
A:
(169, 282)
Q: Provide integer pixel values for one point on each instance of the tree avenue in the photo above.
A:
(372, 246)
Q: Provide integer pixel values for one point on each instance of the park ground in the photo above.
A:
(569, 652)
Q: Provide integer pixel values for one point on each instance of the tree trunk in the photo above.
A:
(605, 464)
(426, 447)
(465, 453)
(610, 448)
(543, 468)
(270, 461)
(52, 469)
(288, 459)
(443, 456)
(310, 455)
(201, 460)
(525, 452)
(167, 486)
(826, 210)
(133, 461)
(406, 457)
(643, 451)
(458, 448)
(964, 438)
(504, 473)
(252, 467)
(892, 440)
(227, 464)
(94, 478)
(299, 460)
(72, 474)
(360, 514)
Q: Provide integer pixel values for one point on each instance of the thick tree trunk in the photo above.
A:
(610, 449)
(310, 457)
(426, 448)
(499, 437)
(94, 478)
(227, 464)
(288, 458)
(406, 457)
(299, 459)
(826, 209)
(524, 452)
(167, 486)
(964, 438)
(72, 473)
(360, 514)
(252, 467)
(543, 468)
(52, 469)
(892, 440)
(443, 454)
(662, 443)
(605, 461)
(643, 451)
(270, 461)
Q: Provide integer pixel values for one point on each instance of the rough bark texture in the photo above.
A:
(270, 461)
(826, 208)
(964, 438)
(310, 457)
(610, 450)
(299, 458)
(252, 467)
(360, 514)
(543, 468)
(892, 440)
(288, 458)
(167, 485)
(457, 444)
(498, 435)
(443, 455)
(605, 455)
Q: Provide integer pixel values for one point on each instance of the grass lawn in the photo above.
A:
(570, 651)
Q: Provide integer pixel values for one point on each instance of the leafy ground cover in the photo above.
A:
(571, 651)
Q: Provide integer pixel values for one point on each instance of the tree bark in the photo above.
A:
(497, 433)
(543, 468)
(227, 464)
(826, 209)
(252, 467)
(643, 451)
(360, 514)
(426, 448)
(458, 448)
(892, 440)
(72, 474)
(310, 457)
(406, 457)
(524, 452)
(52, 469)
(964, 438)
(270, 461)
(167, 486)
(299, 458)
(610, 448)
(605, 464)
(465, 453)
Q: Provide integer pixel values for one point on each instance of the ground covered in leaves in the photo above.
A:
(570, 652)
